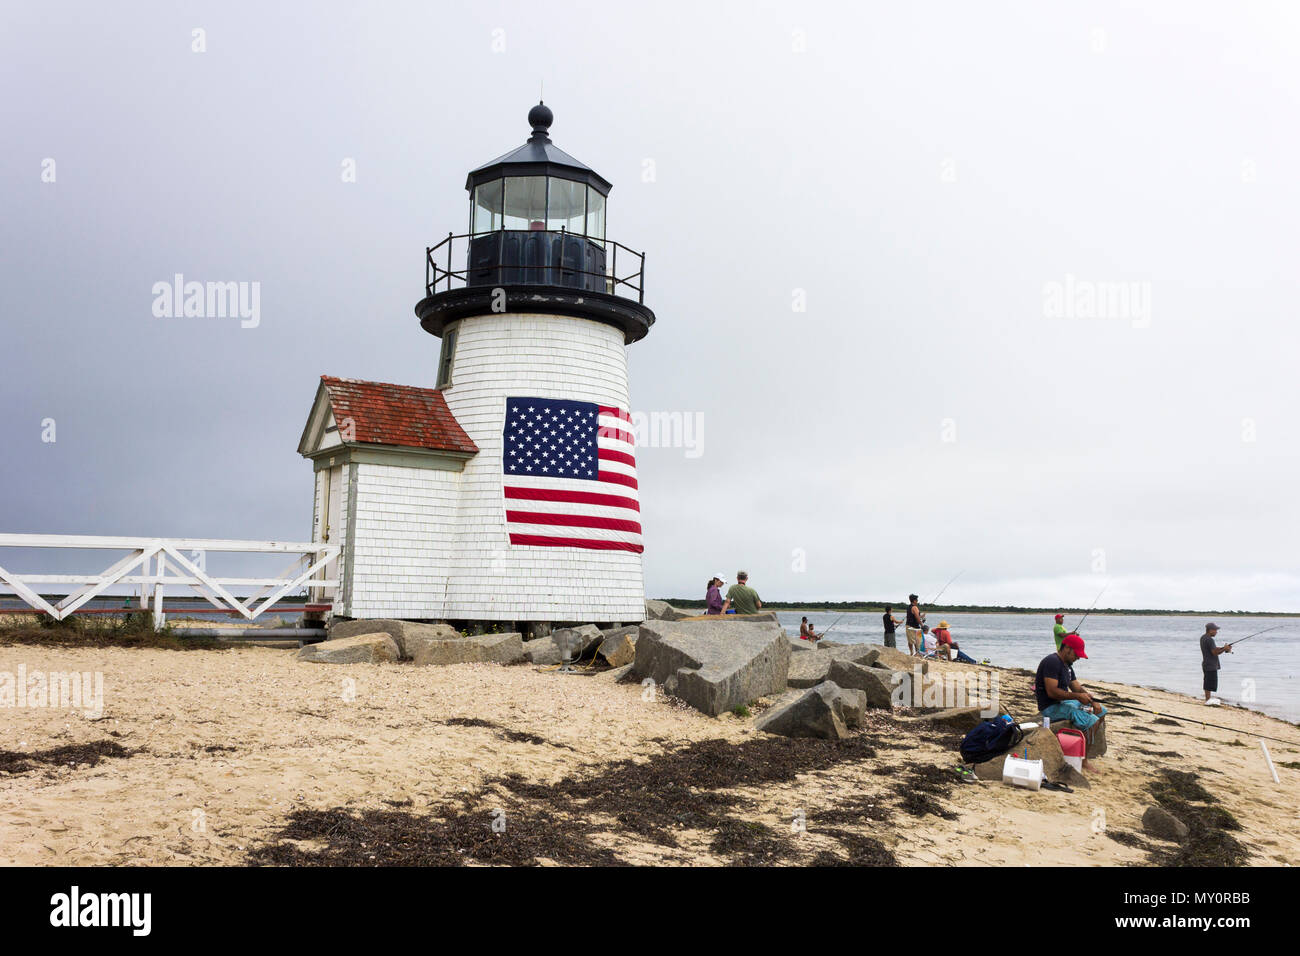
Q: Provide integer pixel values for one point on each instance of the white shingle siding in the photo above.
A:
(405, 526)
(432, 544)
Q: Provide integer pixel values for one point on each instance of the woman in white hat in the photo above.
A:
(713, 598)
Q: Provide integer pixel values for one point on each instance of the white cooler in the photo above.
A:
(1019, 772)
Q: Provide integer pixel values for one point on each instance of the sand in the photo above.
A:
(227, 743)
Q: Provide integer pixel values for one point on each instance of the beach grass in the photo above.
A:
(131, 629)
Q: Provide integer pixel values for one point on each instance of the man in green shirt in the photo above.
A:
(742, 597)
(1059, 631)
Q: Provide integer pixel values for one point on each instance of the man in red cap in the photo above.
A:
(1059, 693)
(1059, 631)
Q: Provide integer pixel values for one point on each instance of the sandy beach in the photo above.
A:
(242, 755)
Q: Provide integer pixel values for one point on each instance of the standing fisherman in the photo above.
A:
(891, 623)
(1059, 631)
(1210, 662)
(915, 639)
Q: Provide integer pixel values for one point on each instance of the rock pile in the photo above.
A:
(376, 641)
(362, 649)
(618, 645)
(713, 664)
(662, 611)
(818, 712)
(829, 710)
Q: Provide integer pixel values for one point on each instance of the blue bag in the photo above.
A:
(991, 739)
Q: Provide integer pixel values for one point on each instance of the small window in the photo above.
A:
(446, 359)
(566, 207)
(487, 208)
(595, 216)
(525, 204)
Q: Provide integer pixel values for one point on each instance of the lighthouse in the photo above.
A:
(506, 489)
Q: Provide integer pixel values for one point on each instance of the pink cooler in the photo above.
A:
(1074, 745)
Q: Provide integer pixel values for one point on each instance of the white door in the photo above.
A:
(329, 527)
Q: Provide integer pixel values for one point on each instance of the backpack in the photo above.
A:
(990, 739)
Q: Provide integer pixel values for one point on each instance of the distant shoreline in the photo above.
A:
(879, 608)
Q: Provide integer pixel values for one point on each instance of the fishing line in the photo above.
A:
(833, 623)
(1231, 730)
(945, 587)
(1256, 634)
(1091, 609)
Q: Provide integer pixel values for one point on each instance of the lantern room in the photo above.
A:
(537, 224)
(537, 216)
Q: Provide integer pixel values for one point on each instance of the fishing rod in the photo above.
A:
(945, 587)
(1256, 634)
(833, 623)
(1091, 609)
(1231, 730)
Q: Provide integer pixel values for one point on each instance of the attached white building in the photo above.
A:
(508, 492)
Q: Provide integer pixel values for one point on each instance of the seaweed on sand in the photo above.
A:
(677, 790)
(747, 843)
(1179, 786)
(925, 782)
(515, 736)
(452, 836)
(71, 755)
(655, 799)
(714, 764)
(1209, 843)
(920, 804)
(862, 851)
(1127, 838)
(860, 809)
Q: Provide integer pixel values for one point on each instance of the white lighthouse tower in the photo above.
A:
(518, 468)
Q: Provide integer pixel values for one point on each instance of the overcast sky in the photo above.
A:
(875, 237)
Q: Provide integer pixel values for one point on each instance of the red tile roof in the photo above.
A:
(384, 414)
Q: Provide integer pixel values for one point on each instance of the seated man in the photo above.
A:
(806, 631)
(945, 645)
(929, 643)
(741, 598)
(1061, 696)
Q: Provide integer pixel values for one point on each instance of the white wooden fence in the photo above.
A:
(170, 567)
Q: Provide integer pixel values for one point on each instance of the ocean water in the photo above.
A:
(1162, 652)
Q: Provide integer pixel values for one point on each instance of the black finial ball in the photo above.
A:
(540, 118)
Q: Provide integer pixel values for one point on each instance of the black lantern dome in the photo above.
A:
(539, 157)
(537, 226)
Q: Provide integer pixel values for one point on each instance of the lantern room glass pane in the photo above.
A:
(566, 207)
(487, 208)
(525, 205)
(595, 215)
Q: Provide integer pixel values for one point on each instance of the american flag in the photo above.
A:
(570, 475)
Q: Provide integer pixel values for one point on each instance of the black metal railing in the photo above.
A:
(528, 256)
